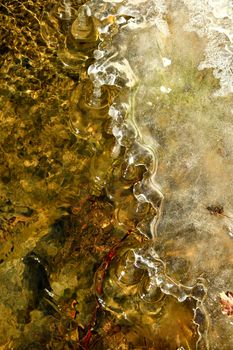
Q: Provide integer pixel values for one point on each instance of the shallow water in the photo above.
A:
(116, 175)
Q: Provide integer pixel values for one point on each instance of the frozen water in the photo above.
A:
(181, 105)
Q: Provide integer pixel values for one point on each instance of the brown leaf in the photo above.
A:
(226, 300)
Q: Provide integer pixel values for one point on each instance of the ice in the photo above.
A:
(116, 183)
(213, 20)
(183, 114)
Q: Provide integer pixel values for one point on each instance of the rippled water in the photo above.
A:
(116, 175)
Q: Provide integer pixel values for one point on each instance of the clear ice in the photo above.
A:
(176, 61)
(116, 213)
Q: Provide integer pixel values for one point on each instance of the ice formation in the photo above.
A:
(116, 174)
(181, 116)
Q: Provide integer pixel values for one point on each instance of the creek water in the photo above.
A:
(116, 175)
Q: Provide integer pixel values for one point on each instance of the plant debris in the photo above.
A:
(226, 300)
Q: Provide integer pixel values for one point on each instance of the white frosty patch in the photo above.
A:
(212, 19)
(165, 90)
(166, 61)
(113, 1)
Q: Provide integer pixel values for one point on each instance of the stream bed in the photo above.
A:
(116, 185)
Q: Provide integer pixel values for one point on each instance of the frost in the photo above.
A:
(166, 61)
(213, 19)
(165, 90)
(177, 123)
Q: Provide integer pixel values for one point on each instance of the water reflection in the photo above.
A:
(96, 257)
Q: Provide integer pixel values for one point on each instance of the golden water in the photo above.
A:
(106, 239)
